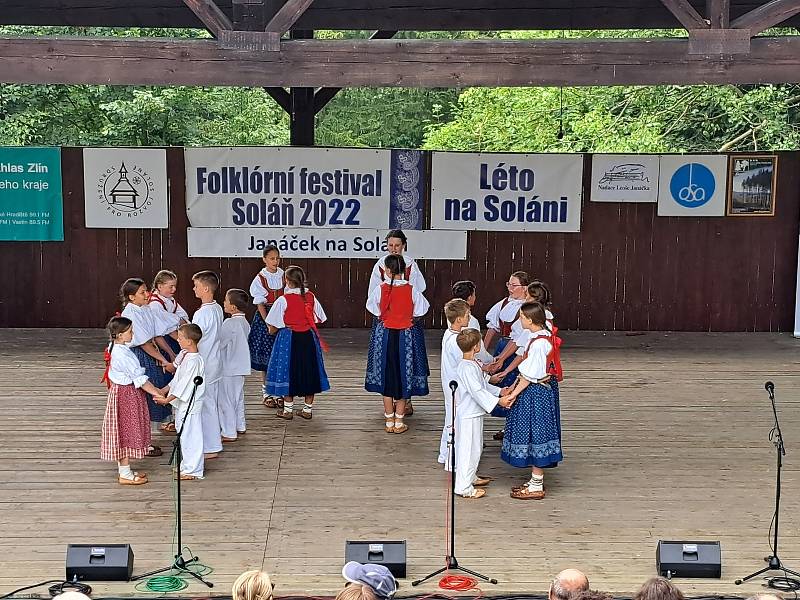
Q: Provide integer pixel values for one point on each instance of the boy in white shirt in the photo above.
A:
(209, 318)
(187, 398)
(235, 355)
(457, 313)
(475, 397)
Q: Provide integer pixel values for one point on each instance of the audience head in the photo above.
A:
(252, 585)
(568, 583)
(592, 595)
(354, 591)
(72, 595)
(377, 578)
(658, 588)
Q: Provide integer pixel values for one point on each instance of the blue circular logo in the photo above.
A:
(692, 185)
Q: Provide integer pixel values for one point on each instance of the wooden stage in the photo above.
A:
(665, 438)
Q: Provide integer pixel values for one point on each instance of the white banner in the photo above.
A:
(125, 188)
(624, 178)
(304, 187)
(506, 192)
(692, 185)
(321, 243)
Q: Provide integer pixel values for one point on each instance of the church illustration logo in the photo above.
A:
(125, 191)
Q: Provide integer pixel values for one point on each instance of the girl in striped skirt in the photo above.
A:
(126, 425)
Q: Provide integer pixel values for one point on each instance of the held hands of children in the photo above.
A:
(506, 401)
(160, 400)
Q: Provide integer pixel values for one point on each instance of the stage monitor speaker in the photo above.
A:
(99, 562)
(689, 559)
(390, 554)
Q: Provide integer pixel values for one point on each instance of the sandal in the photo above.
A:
(409, 409)
(474, 495)
(525, 494)
(307, 415)
(482, 481)
(210, 455)
(187, 477)
(169, 427)
(138, 479)
(269, 402)
(285, 414)
(399, 427)
(498, 435)
(226, 440)
(154, 451)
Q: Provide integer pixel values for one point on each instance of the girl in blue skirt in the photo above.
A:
(157, 367)
(266, 288)
(533, 428)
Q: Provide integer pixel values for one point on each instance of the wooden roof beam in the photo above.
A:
(393, 63)
(686, 14)
(768, 15)
(287, 16)
(210, 14)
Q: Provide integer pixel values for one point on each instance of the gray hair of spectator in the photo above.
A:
(658, 588)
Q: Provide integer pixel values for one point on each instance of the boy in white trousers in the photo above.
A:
(457, 313)
(235, 353)
(188, 401)
(475, 397)
(209, 318)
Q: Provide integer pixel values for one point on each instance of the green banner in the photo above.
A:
(31, 205)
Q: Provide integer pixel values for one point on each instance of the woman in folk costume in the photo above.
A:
(266, 288)
(295, 365)
(126, 425)
(397, 366)
(500, 319)
(158, 369)
(397, 244)
(533, 429)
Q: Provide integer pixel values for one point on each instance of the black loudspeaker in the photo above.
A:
(390, 554)
(95, 562)
(689, 559)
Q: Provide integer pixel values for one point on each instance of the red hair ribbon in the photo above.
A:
(107, 359)
(312, 319)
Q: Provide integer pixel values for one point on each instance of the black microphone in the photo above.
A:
(770, 387)
(198, 380)
(453, 385)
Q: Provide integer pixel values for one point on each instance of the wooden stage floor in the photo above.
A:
(665, 438)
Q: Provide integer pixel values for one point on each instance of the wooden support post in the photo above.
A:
(718, 13)
(301, 116)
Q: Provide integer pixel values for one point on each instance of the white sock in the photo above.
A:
(125, 472)
(288, 406)
(307, 407)
(536, 483)
(389, 419)
(398, 420)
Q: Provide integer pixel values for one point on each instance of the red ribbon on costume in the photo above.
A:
(107, 359)
(311, 318)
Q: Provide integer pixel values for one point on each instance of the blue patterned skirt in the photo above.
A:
(260, 342)
(397, 365)
(295, 365)
(172, 343)
(533, 431)
(159, 378)
(512, 376)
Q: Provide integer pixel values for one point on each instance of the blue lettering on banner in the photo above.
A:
(692, 185)
(519, 210)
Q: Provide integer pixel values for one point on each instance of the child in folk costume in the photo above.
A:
(188, 397)
(235, 356)
(533, 436)
(475, 397)
(168, 316)
(157, 368)
(466, 291)
(501, 318)
(397, 244)
(458, 315)
(209, 318)
(126, 425)
(397, 366)
(296, 367)
(266, 288)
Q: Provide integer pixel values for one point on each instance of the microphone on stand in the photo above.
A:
(453, 385)
(197, 380)
(770, 387)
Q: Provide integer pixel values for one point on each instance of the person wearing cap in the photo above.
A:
(376, 581)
